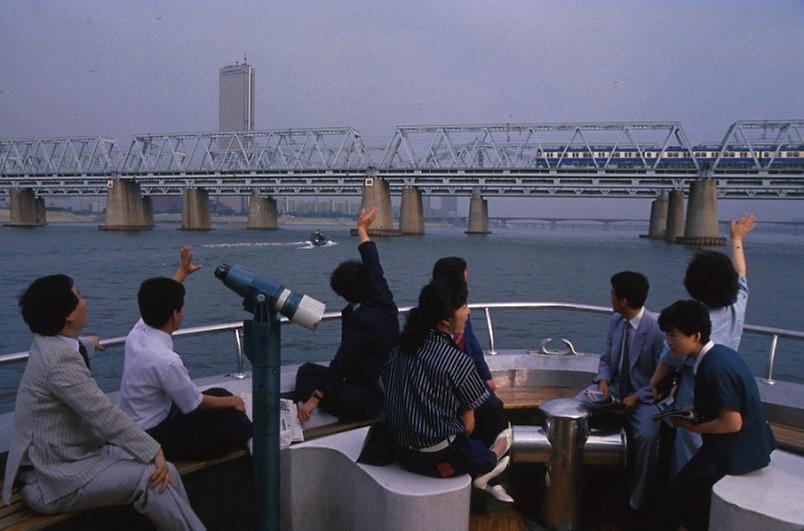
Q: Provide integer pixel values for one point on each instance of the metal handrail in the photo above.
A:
(236, 328)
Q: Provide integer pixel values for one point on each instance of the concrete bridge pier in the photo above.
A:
(26, 210)
(702, 217)
(195, 213)
(262, 212)
(148, 209)
(675, 215)
(478, 215)
(411, 214)
(126, 209)
(377, 193)
(658, 217)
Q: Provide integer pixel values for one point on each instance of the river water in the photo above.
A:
(570, 264)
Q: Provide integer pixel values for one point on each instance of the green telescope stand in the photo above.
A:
(261, 345)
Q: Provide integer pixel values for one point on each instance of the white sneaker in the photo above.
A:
(481, 482)
(499, 493)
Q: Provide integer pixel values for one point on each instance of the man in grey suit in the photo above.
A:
(71, 448)
(633, 346)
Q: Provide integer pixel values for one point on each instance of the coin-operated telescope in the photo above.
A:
(265, 299)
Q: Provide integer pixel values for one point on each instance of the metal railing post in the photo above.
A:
(240, 373)
(771, 359)
(490, 329)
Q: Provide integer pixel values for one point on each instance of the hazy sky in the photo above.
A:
(117, 68)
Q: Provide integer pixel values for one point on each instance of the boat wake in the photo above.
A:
(302, 244)
(311, 245)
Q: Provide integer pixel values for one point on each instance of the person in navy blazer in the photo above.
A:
(737, 438)
(349, 388)
(627, 377)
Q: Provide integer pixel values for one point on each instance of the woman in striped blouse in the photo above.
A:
(432, 390)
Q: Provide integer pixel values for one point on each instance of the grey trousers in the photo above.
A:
(123, 483)
(644, 444)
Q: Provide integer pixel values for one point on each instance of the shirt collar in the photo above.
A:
(71, 341)
(706, 348)
(158, 335)
(635, 320)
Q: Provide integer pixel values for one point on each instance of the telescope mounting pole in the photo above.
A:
(262, 346)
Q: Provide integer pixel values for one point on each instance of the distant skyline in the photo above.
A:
(115, 69)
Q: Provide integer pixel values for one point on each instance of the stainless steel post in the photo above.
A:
(567, 428)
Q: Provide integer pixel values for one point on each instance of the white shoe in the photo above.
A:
(481, 482)
(499, 493)
(508, 433)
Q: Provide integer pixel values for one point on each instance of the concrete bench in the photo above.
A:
(323, 487)
(769, 499)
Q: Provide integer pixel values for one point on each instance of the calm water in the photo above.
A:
(510, 265)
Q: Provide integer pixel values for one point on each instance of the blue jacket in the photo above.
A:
(646, 347)
(368, 334)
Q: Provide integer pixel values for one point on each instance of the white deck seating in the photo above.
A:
(769, 499)
(324, 488)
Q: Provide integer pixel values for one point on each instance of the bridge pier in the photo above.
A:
(26, 210)
(658, 217)
(675, 215)
(126, 209)
(195, 214)
(411, 213)
(262, 212)
(478, 215)
(377, 194)
(702, 217)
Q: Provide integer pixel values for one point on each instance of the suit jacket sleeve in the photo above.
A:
(70, 381)
(655, 344)
(473, 349)
(604, 367)
(380, 292)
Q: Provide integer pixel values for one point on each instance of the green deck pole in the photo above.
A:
(262, 346)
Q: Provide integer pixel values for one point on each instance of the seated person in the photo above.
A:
(721, 284)
(633, 346)
(69, 439)
(489, 416)
(349, 388)
(736, 436)
(432, 390)
(156, 390)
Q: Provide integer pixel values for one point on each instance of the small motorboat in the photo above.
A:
(318, 238)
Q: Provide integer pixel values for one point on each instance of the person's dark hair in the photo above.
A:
(712, 279)
(352, 281)
(46, 304)
(438, 301)
(632, 287)
(688, 317)
(449, 267)
(158, 298)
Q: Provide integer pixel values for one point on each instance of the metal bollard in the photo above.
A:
(565, 443)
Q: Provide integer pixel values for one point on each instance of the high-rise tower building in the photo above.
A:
(236, 98)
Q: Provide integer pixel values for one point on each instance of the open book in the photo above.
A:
(685, 414)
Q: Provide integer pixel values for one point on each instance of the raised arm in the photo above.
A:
(186, 266)
(739, 229)
(365, 219)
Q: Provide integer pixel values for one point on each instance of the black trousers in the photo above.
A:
(690, 495)
(349, 400)
(204, 434)
(489, 420)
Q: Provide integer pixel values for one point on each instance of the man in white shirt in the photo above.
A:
(157, 392)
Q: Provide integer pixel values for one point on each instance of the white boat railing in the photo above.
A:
(236, 328)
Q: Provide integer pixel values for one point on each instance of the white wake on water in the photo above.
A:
(302, 244)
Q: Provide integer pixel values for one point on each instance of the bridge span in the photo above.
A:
(754, 160)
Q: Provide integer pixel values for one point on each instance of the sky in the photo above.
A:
(118, 68)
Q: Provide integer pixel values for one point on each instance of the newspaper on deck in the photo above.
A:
(290, 429)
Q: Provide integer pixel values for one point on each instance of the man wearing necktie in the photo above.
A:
(65, 452)
(633, 346)
(349, 388)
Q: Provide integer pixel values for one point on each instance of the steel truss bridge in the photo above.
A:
(755, 159)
